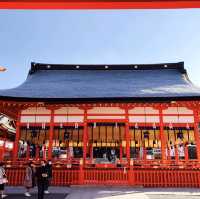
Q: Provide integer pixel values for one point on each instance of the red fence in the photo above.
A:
(167, 178)
(106, 176)
(118, 176)
(65, 177)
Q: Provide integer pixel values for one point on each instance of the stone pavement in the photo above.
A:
(132, 193)
(18, 193)
(108, 192)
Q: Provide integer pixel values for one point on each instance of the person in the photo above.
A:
(181, 151)
(42, 178)
(49, 172)
(3, 180)
(113, 156)
(172, 152)
(28, 180)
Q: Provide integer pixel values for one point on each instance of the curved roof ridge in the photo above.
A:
(159, 66)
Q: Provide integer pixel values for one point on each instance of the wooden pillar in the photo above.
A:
(162, 136)
(17, 136)
(91, 152)
(127, 136)
(51, 130)
(131, 174)
(196, 133)
(85, 131)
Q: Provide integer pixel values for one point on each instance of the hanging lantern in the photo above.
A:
(116, 125)
(170, 126)
(95, 124)
(187, 126)
(61, 125)
(76, 125)
(27, 126)
(154, 125)
(136, 126)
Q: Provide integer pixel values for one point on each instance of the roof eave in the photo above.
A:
(105, 99)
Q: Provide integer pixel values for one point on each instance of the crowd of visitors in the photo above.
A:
(35, 175)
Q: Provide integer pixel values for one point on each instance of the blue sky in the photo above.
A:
(97, 37)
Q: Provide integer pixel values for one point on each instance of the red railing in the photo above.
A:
(118, 176)
(63, 177)
(167, 178)
(106, 176)
(15, 175)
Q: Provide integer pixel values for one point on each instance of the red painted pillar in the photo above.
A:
(162, 136)
(91, 152)
(196, 133)
(81, 173)
(186, 153)
(17, 136)
(127, 135)
(85, 131)
(131, 176)
(51, 134)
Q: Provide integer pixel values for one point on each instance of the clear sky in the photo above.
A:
(97, 37)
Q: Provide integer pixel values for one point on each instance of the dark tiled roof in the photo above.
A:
(96, 82)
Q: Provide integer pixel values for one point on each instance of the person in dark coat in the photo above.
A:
(49, 171)
(42, 178)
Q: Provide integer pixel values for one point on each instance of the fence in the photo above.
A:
(118, 176)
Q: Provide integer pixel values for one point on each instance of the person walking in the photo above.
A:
(29, 179)
(3, 180)
(49, 172)
(42, 178)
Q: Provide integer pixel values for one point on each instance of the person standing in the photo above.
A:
(29, 179)
(3, 180)
(49, 172)
(42, 178)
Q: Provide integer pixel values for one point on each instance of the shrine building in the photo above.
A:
(105, 124)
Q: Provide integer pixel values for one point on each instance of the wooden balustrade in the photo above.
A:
(147, 177)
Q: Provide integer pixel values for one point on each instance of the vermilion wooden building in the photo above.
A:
(107, 124)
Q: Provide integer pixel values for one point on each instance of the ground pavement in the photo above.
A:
(107, 192)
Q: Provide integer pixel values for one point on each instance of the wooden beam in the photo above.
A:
(99, 4)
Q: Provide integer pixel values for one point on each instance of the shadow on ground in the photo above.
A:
(34, 196)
